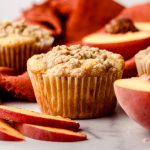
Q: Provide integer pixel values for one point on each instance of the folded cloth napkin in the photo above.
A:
(17, 86)
(72, 19)
(44, 15)
(89, 17)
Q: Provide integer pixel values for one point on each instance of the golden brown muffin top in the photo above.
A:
(76, 61)
(19, 30)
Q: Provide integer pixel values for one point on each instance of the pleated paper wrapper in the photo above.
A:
(16, 56)
(143, 67)
(76, 98)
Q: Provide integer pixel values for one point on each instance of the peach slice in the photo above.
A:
(133, 95)
(143, 26)
(127, 44)
(7, 133)
(26, 116)
(130, 68)
(49, 133)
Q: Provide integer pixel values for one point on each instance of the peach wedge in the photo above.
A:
(49, 133)
(133, 94)
(7, 133)
(127, 44)
(30, 117)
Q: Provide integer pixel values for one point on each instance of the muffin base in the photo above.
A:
(16, 56)
(142, 67)
(76, 98)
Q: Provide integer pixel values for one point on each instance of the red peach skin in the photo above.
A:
(7, 133)
(133, 95)
(49, 133)
(126, 49)
(130, 68)
(30, 117)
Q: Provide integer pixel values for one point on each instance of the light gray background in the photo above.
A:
(10, 9)
(111, 133)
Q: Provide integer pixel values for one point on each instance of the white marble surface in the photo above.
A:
(116, 132)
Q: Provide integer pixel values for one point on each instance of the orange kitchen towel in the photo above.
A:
(44, 15)
(73, 18)
(18, 86)
(89, 17)
(64, 7)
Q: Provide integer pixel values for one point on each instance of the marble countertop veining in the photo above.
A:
(116, 132)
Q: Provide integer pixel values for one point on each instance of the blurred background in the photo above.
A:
(10, 9)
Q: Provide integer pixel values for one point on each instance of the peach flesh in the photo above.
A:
(133, 95)
(125, 44)
(143, 26)
(50, 134)
(7, 133)
(115, 38)
(26, 116)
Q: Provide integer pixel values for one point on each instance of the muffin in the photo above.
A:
(75, 81)
(19, 41)
(142, 60)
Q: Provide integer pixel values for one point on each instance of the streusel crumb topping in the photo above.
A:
(22, 29)
(76, 61)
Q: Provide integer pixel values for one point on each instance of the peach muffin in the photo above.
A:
(19, 41)
(142, 60)
(75, 81)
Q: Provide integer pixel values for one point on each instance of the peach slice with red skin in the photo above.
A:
(30, 117)
(49, 133)
(127, 44)
(7, 133)
(133, 95)
(130, 68)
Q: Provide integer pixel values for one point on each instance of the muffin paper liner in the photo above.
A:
(17, 56)
(143, 67)
(76, 98)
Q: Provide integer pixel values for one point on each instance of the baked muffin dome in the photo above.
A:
(76, 61)
(19, 31)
